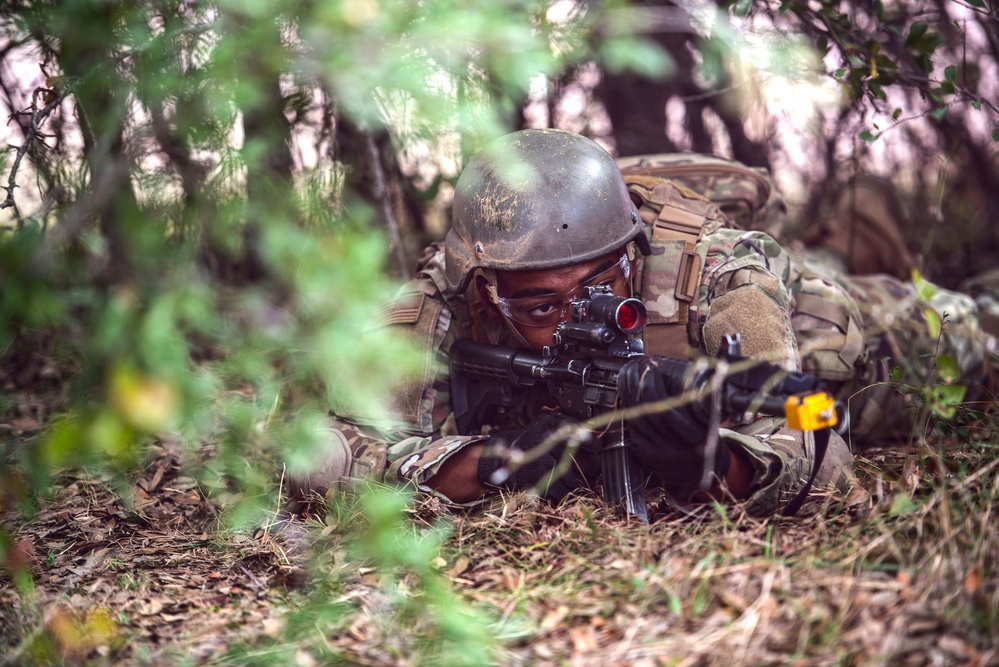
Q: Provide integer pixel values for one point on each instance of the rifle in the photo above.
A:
(580, 371)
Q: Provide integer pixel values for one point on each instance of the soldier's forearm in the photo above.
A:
(458, 477)
(738, 481)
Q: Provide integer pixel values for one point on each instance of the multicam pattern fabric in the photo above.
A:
(744, 290)
(799, 311)
(747, 195)
(739, 267)
(883, 324)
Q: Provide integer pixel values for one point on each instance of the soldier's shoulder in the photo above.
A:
(428, 282)
(728, 242)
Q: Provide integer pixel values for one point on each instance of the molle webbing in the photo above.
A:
(848, 346)
(686, 227)
(823, 309)
(670, 277)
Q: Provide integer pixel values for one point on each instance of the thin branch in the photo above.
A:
(381, 196)
(38, 116)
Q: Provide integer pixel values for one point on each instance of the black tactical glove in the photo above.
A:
(668, 444)
(497, 471)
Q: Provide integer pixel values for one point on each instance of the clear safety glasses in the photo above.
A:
(547, 310)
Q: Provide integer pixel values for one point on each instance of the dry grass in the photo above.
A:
(850, 582)
(901, 571)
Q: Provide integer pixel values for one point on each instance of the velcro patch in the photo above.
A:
(404, 310)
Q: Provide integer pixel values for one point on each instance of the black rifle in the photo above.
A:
(581, 370)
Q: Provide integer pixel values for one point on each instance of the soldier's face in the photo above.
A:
(548, 290)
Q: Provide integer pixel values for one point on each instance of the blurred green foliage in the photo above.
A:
(200, 256)
(202, 239)
(421, 618)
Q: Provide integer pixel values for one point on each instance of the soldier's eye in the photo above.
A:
(544, 309)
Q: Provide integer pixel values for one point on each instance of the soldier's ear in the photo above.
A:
(492, 310)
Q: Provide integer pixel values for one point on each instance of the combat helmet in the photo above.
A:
(537, 199)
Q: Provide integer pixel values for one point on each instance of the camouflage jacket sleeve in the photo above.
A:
(744, 290)
(414, 434)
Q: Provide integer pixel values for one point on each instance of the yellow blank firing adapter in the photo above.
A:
(810, 412)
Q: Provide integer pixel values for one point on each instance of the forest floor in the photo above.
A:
(902, 570)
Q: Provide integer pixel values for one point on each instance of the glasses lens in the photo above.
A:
(549, 309)
(535, 311)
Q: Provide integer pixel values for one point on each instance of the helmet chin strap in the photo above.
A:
(512, 328)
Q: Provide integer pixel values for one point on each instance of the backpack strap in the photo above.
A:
(669, 278)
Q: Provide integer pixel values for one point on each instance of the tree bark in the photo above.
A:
(102, 107)
(369, 173)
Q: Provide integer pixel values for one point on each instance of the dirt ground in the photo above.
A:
(901, 571)
(156, 582)
(138, 582)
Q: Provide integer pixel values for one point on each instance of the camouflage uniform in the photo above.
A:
(746, 195)
(855, 312)
(866, 325)
(744, 273)
(702, 281)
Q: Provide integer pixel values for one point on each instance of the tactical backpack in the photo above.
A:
(747, 195)
(861, 223)
(674, 193)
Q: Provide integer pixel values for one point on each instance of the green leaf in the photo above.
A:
(947, 88)
(879, 9)
(642, 56)
(840, 73)
(62, 444)
(995, 134)
(944, 399)
(895, 374)
(902, 504)
(925, 290)
(933, 325)
(977, 104)
(939, 113)
(917, 30)
(950, 73)
(870, 137)
(896, 113)
(742, 7)
(947, 368)
(977, 3)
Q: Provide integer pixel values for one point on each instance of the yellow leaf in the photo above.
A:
(933, 326)
(146, 403)
(99, 627)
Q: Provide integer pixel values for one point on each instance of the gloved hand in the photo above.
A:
(668, 444)
(498, 472)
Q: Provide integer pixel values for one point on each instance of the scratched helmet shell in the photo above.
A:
(537, 199)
